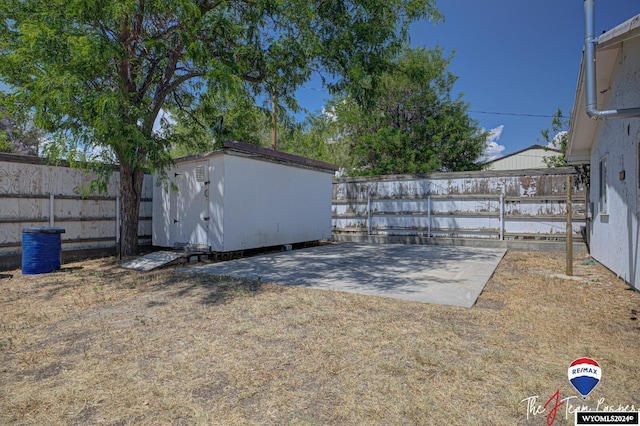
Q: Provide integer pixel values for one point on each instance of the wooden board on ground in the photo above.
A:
(155, 260)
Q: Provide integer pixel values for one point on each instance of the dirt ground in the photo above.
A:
(97, 344)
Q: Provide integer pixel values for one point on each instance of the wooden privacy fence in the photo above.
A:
(518, 204)
(512, 204)
(33, 193)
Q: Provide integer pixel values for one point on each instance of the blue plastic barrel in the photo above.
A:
(41, 249)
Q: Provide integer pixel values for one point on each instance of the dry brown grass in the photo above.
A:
(95, 344)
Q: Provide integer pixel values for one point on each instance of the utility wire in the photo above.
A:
(513, 114)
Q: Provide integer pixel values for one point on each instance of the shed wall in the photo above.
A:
(217, 191)
(252, 203)
(267, 204)
(188, 207)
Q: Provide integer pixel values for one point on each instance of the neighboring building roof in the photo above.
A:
(519, 153)
(582, 129)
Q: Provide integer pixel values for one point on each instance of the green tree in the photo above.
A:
(97, 73)
(236, 116)
(318, 137)
(5, 144)
(409, 121)
(557, 136)
(228, 113)
(17, 132)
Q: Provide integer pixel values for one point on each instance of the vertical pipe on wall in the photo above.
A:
(590, 80)
(51, 210)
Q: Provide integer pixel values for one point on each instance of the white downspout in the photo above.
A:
(590, 42)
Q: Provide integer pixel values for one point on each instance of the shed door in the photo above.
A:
(191, 213)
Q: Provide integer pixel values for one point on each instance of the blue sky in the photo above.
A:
(511, 57)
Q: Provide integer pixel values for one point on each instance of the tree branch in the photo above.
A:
(252, 79)
(162, 93)
(176, 98)
(149, 79)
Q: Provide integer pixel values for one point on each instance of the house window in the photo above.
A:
(603, 201)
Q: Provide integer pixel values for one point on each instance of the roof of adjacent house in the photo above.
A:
(521, 151)
(582, 129)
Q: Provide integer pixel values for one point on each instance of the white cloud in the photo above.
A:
(330, 113)
(493, 149)
(555, 142)
(495, 133)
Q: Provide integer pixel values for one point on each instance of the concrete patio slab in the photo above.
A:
(432, 274)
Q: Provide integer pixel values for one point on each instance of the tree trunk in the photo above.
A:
(131, 179)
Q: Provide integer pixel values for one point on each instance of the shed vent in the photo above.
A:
(200, 174)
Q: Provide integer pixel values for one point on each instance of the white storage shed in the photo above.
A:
(243, 197)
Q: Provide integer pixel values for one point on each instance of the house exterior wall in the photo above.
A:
(615, 232)
(529, 159)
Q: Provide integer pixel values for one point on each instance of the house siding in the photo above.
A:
(528, 159)
(615, 233)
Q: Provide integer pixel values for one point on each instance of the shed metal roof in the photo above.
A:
(243, 148)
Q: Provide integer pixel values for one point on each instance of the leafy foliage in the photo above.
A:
(5, 144)
(557, 136)
(409, 122)
(319, 138)
(17, 132)
(97, 73)
(228, 114)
